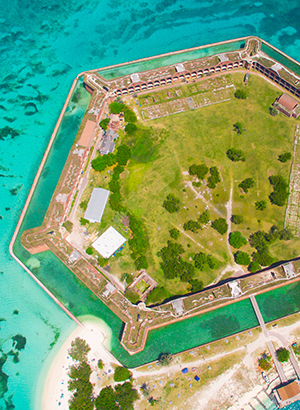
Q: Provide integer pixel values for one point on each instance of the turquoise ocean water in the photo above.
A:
(44, 45)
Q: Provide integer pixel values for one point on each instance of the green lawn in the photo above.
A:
(162, 151)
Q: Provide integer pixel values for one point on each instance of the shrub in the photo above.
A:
(174, 233)
(68, 225)
(141, 263)
(199, 170)
(83, 221)
(235, 155)
(89, 250)
(273, 111)
(237, 240)
(283, 354)
(220, 225)
(104, 123)
(132, 296)
(260, 205)
(83, 205)
(165, 359)
(121, 374)
(246, 184)
(240, 94)
(265, 362)
(285, 157)
(123, 154)
(242, 258)
(171, 203)
(237, 219)
(100, 364)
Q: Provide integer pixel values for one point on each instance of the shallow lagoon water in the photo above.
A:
(44, 45)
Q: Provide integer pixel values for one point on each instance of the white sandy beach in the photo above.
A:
(97, 334)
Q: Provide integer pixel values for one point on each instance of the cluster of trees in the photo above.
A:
(139, 243)
(117, 107)
(203, 260)
(285, 157)
(220, 225)
(280, 190)
(240, 94)
(195, 225)
(79, 383)
(158, 294)
(261, 241)
(236, 155)
(121, 397)
(237, 240)
(214, 177)
(115, 198)
(171, 203)
(121, 374)
(247, 184)
(122, 156)
(201, 171)
(172, 263)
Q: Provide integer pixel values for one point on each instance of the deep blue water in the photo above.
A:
(44, 45)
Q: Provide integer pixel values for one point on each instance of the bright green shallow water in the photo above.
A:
(280, 58)
(127, 69)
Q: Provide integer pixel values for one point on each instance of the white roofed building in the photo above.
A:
(96, 205)
(109, 242)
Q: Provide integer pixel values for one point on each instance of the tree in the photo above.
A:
(100, 364)
(200, 260)
(165, 359)
(280, 194)
(79, 349)
(141, 262)
(197, 285)
(237, 240)
(220, 225)
(89, 250)
(254, 267)
(285, 157)
(174, 233)
(121, 374)
(104, 123)
(129, 115)
(237, 219)
(130, 128)
(106, 399)
(247, 184)
(157, 295)
(81, 387)
(126, 395)
(204, 218)
(123, 154)
(191, 226)
(116, 107)
(265, 362)
(171, 203)
(238, 127)
(242, 258)
(199, 170)
(240, 94)
(283, 354)
(260, 205)
(235, 155)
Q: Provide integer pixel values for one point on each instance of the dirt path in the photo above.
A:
(200, 196)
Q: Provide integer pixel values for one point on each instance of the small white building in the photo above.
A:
(109, 242)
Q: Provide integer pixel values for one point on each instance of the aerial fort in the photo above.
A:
(180, 193)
